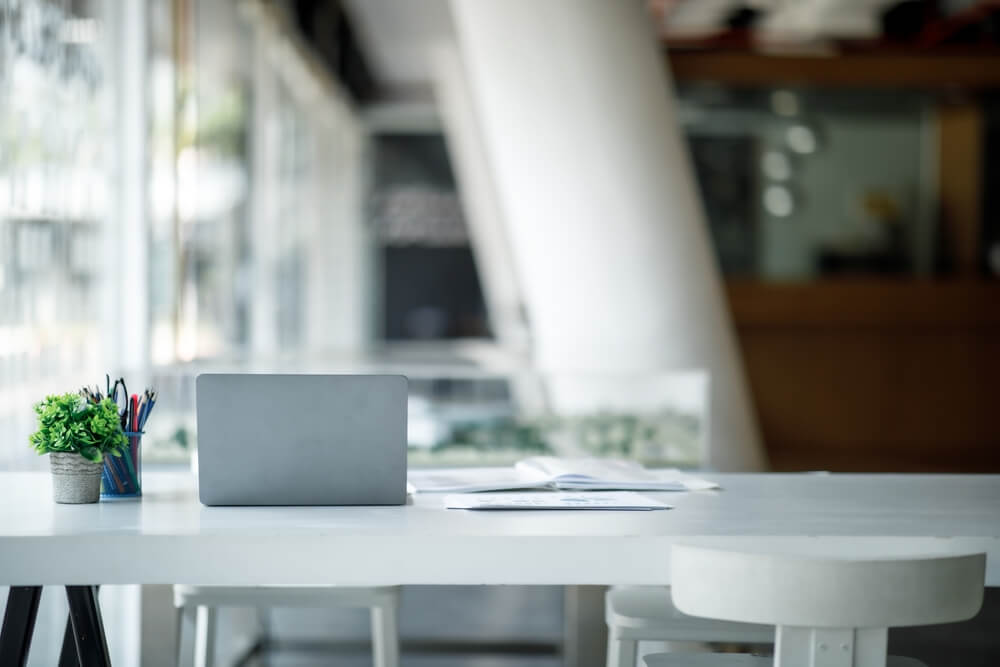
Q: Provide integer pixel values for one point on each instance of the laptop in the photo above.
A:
(301, 439)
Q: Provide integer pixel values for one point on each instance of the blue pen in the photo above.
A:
(149, 407)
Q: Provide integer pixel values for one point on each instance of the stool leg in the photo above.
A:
(621, 652)
(385, 636)
(187, 618)
(847, 647)
(204, 637)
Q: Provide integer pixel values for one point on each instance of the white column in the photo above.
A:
(127, 344)
(264, 152)
(594, 181)
(340, 248)
(483, 209)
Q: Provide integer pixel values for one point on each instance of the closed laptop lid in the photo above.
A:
(301, 439)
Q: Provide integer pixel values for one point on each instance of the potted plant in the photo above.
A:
(77, 433)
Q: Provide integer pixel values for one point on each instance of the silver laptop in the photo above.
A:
(301, 439)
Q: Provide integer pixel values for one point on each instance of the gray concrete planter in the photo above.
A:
(75, 479)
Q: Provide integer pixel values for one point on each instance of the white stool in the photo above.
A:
(196, 611)
(827, 612)
(646, 613)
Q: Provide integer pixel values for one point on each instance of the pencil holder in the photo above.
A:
(122, 475)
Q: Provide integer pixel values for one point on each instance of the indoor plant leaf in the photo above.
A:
(68, 423)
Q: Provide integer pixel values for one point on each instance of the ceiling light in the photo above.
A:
(778, 201)
(801, 139)
(785, 103)
(776, 165)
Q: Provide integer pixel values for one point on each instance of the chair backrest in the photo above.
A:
(794, 590)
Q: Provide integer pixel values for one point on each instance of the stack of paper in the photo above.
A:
(548, 472)
(553, 501)
(604, 474)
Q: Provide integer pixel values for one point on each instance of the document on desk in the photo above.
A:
(627, 501)
(559, 474)
(604, 474)
(466, 480)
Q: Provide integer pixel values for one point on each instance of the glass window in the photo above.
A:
(430, 283)
(54, 222)
(260, 258)
(799, 184)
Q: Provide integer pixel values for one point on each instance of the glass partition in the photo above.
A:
(484, 419)
(464, 416)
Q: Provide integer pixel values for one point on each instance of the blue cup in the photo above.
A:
(122, 475)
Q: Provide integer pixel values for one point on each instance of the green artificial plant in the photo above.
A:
(72, 424)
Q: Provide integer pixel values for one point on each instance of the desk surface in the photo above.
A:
(169, 537)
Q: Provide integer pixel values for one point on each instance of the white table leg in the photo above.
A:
(385, 636)
(585, 634)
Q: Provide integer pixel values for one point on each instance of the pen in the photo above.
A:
(133, 416)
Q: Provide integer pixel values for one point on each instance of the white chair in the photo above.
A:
(646, 613)
(196, 611)
(827, 612)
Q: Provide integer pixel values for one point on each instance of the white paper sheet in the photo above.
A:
(468, 480)
(553, 501)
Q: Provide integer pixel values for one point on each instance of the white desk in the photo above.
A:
(169, 537)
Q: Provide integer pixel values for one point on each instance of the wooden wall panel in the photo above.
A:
(960, 169)
(883, 376)
(858, 70)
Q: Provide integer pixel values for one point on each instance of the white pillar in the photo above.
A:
(264, 151)
(127, 343)
(340, 247)
(484, 215)
(609, 237)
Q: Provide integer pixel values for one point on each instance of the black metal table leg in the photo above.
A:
(19, 624)
(88, 629)
(67, 655)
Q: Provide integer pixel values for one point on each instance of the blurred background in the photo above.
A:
(734, 234)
